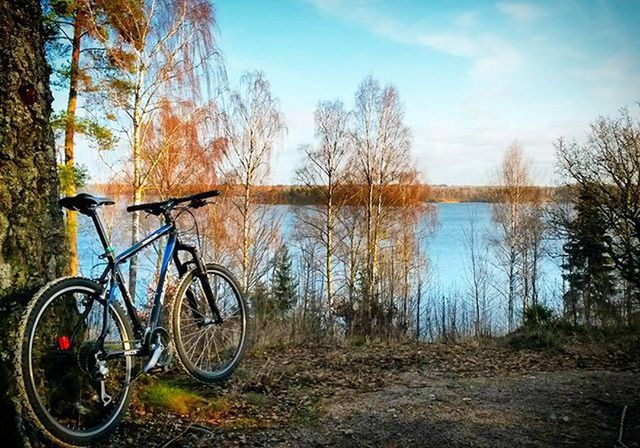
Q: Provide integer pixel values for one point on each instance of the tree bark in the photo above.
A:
(137, 182)
(71, 225)
(246, 205)
(329, 257)
(31, 227)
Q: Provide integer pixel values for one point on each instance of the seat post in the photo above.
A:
(100, 228)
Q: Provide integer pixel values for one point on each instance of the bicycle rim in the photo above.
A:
(208, 350)
(66, 394)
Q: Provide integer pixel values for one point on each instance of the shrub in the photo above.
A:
(537, 316)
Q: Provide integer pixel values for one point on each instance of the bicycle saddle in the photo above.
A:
(84, 203)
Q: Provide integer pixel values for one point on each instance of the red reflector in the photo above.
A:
(64, 343)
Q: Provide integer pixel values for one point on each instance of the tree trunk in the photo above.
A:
(329, 257)
(534, 274)
(418, 311)
(512, 291)
(136, 153)
(31, 226)
(71, 225)
(246, 243)
(137, 197)
(135, 234)
(367, 299)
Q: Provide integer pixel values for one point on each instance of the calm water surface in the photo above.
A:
(445, 247)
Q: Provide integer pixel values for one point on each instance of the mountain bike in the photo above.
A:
(78, 344)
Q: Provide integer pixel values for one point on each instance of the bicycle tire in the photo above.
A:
(36, 411)
(239, 318)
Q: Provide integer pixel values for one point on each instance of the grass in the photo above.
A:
(309, 414)
(173, 398)
(357, 341)
(255, 399)
(559, 335)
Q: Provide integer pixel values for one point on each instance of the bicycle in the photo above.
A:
(78, 344)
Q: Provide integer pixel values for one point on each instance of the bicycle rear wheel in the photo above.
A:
(209, 351)
(64, 395)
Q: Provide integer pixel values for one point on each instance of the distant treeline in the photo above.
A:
(304, 195)
(446, 193)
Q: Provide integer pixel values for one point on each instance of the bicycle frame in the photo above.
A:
(113, 276)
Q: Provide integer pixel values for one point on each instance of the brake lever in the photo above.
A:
(197, 203)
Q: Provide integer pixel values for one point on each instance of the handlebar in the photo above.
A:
(159, 207)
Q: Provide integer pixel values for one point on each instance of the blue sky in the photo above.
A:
(474, 76)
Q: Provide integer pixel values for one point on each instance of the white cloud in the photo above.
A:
(522, 81)
(520, 11)
(449, 146)
(614, 77)
(489, 54)
(467, 19)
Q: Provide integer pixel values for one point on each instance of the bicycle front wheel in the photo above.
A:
(207, 350)
(71, 395)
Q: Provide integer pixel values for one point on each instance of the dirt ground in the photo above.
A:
(423, 395)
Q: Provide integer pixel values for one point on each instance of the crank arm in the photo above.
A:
(154, 358)
(106, 398)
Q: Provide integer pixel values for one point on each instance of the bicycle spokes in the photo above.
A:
(210, 339)
(71, 383)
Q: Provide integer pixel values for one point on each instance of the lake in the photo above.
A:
(445, 248)
(447, 251)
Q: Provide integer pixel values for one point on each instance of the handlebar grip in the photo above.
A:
(148, 205)
(205, 195)
(135, 208)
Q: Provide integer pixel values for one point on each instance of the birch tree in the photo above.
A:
(382, 143)
(250, 122)
(180, 153)
(607, 167)
(323, 174)
(513, 181)
(477, 271)
(414, 220)
(160, 50)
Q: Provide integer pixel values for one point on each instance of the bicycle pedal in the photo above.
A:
(158, 369)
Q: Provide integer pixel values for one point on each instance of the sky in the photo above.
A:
(474, 76)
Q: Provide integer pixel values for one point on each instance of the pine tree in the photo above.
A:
(261, 302)
(283, 284)
(589, 270)
(73, 48)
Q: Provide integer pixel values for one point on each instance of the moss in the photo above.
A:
(244, 423)
(255, 399)
(181, 400)
(310, 413)
(358, 341)
(171, 398)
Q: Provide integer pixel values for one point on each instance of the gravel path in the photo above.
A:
(404, 396)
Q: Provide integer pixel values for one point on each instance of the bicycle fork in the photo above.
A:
(201, 274)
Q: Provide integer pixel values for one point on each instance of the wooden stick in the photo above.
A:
(624, 412)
